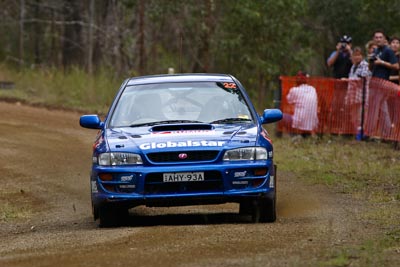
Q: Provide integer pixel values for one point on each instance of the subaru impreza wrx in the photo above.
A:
(188, 139)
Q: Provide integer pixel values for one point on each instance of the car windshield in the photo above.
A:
(193, 102)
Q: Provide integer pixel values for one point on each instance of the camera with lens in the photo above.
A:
(372, 58)
(344, 40)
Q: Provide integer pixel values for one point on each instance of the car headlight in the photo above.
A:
(246, 153)
(119, 158)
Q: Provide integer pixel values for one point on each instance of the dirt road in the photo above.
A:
(44, 164)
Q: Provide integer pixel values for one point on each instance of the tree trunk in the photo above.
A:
(21, 32)
(142, 56)
(37, 35)
(261, 91)
(90, 38)
(202, 62)
(99, 56)
(72, 43)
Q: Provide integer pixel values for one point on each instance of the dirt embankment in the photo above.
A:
(45, 161)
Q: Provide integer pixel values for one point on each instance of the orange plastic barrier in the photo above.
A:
(340, 105)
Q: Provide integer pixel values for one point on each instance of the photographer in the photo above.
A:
(340, 59)
(383, 59)
(381, 63)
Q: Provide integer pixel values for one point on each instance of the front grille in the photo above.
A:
(205, 155)
(154, 184)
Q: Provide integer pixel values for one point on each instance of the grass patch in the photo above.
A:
(368, 169)
(73, 89)
(365, 170)
(16, 205)
(9, 212)
(381, 252)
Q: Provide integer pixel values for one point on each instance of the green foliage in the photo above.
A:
(256, 41)
(261, 40)
(357, 18)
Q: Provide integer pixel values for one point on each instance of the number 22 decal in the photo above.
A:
(230, 85)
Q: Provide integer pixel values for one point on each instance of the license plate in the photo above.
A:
(171, 177)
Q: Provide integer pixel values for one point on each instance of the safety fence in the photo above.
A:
(367, 107)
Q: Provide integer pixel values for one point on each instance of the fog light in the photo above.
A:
(257, 182)
(109, 187)
(260, 172)
(106, 176)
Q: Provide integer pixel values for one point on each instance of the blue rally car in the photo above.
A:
(189, 139)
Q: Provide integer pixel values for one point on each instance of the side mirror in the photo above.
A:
(271, 115)
(91, 122)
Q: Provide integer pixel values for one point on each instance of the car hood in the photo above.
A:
(145, 139)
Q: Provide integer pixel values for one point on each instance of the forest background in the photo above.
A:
(76, 53)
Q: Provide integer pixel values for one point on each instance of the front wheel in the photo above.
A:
(110, 216)
(264, 210)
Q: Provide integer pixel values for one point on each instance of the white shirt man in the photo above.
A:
(305, 101)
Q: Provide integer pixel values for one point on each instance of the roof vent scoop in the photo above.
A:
(182, 127)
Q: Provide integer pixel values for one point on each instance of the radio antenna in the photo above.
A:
(180, 53)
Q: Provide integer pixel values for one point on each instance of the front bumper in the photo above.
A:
(143, 185)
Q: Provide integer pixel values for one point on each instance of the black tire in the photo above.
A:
(95, 212)
(110, 216)
(245, 208)
(264, 210)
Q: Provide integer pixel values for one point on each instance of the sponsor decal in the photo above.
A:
(126, 178)
(265, 134)
(170, 144)
(186, 132)
(270, 154)
(240, 174)
(127, 186)
(98, 142)
(240, 182)
(229, 85)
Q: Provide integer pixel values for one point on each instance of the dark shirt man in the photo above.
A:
(381, 63)
(395, 46)
(340, 59)
(383, 60)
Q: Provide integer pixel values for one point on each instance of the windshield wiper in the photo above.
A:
(230, 120)
(163, 122)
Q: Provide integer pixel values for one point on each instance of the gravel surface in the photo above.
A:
(45, 160)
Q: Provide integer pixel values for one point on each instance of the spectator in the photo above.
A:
(359, 66)
(381, 63)
(353, 99)
(383, 60)
(395, 46)
(370, 47)
(394, 102)
(304, 99)
(340, 59)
